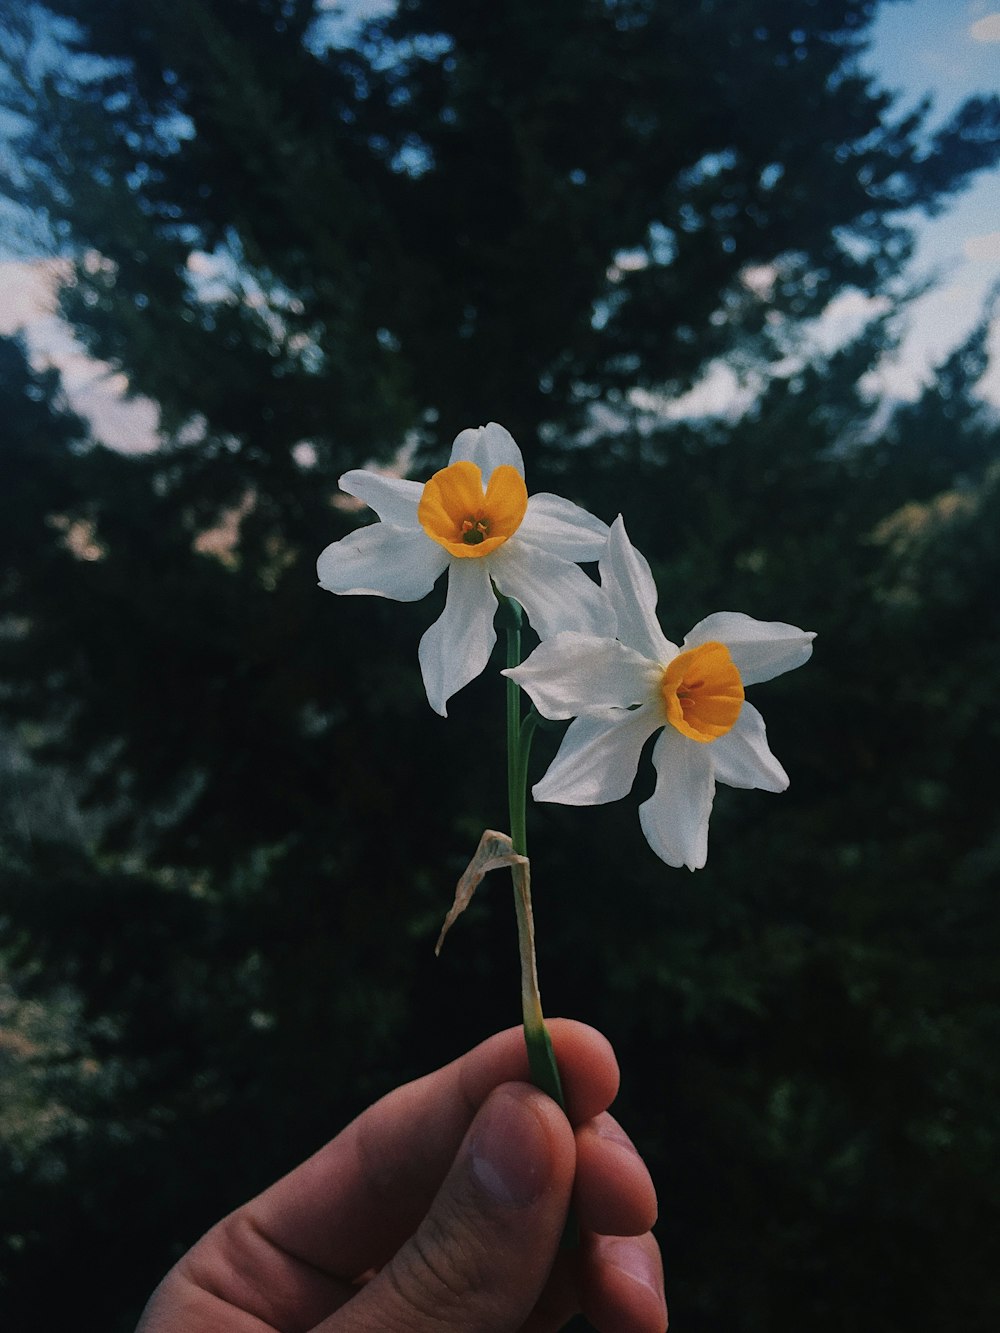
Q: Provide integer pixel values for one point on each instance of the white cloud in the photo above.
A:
(760, 279)
(938, 323)
(99, 394)
(986, 247)
(358, 11)
(93, 389)
(986, 29)
(719, 393)
(845, 317)
(26, 293)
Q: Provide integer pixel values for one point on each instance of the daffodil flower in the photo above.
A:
(485, 536)
(620, 691)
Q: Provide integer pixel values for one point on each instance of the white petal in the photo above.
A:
(383, 561)
(761, 649)
(457, 646)
(578, 673)
(742, 757)
(597, 759)
(394, 499)
(555, 593)
(487, 447)
(627, 579)
(675, 818)
(563, 528)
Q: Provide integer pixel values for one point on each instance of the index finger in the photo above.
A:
(350, 1206)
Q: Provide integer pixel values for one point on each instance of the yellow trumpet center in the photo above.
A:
(702, 692)
(457, 513)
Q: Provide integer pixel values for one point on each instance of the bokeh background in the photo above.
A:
(674, 248)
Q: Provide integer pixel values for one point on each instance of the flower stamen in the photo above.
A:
(475, 530)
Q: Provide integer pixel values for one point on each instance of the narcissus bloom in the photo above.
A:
(476, 520)
(620, 691)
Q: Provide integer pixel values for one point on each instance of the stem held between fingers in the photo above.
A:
(541, 1059)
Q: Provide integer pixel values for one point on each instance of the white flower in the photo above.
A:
(482, 536)
(622, 690)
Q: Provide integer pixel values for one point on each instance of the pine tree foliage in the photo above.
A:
(229, 821)
(400, 207)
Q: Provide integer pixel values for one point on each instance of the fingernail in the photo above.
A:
(509, 1151)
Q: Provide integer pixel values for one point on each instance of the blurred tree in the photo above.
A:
(380, 220)
(822, 1000)
(308, 251)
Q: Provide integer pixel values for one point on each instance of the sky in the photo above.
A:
(948, 49)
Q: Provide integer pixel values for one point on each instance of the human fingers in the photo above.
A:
(351, 1206)
(615, 1277)
(614, 1193)
(621, 1282)
(481, 1257)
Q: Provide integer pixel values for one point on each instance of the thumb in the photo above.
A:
(482, 1254)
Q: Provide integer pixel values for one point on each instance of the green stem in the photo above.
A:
(516, 770)
(541, 1059)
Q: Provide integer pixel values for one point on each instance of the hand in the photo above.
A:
(441, 1209)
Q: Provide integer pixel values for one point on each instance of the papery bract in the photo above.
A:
(620, 691)
(474, 519)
